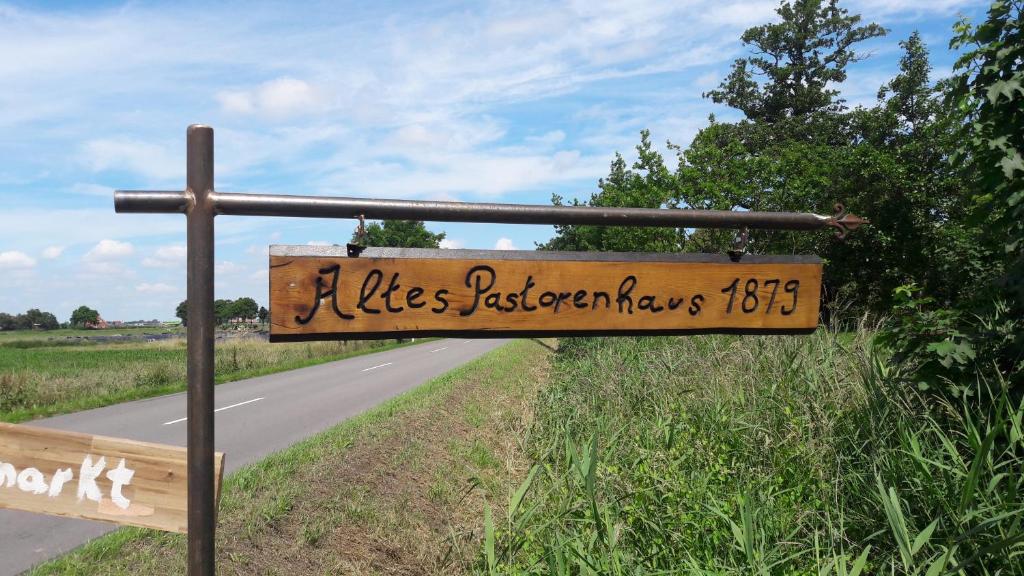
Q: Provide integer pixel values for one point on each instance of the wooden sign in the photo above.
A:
(82, 476)
(318, 293)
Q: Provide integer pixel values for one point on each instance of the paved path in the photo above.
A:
(255, 417)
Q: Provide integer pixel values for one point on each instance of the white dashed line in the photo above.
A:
(219, 410)
(439, 349)
(466, 341)
(377, 366)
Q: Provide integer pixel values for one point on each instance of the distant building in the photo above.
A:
(99, 324)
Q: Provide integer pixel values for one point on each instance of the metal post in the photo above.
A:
(202, 514)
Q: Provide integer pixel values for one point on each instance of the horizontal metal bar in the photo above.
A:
(150, 201)
(380, 209)
(383, 209)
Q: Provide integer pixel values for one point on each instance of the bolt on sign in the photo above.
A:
(95, 477)
(318, 292)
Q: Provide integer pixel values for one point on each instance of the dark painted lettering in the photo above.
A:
(376, 276)
(512, 301)
(695, 304)
(577, 299)
(474, 280)
(625, 289)
(412, 297)
(562, 297)
(493, 301)
(439, 297)
(527, 307)
(393, 285)
(648, 302)
(547, 299)
(334, 270)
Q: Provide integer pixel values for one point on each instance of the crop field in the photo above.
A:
(42, 376)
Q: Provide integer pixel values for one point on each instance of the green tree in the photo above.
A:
(84, 315)
(223, 310)
(181, 312)
(888, 163)
(399, 234)
(8, 322)
(649, 184)
(245, 308)
(951, 344)
(264, 314)
(36, 318)
(801, 60)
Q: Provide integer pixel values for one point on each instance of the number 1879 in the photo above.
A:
(749, 299)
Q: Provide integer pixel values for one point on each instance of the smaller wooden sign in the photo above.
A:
(95, 477)
(318, 293)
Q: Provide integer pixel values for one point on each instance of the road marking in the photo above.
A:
(439, 349)
(219, 409)
(377, 366)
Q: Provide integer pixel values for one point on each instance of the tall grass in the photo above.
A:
(759, 455)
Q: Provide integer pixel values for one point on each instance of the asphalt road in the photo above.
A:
(255, 417)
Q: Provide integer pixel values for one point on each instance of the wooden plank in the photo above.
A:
(95, 477)
(318, 293)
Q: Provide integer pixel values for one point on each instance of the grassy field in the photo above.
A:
(398, 490)
(41, 377)
(69, 333)
(759, 455)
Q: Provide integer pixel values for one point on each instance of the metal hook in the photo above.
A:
(355, 249)
(739, 244)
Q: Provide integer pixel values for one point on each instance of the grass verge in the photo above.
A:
(399, 489)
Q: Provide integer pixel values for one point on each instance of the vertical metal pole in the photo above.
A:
(201, 497)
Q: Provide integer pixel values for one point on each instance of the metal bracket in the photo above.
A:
(844, 222)
(739, 244)
(353, 249)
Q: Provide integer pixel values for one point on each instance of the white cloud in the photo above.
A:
(277, 98)
(92, 190)
(51, 252)
(109, 250)
(709, 79)
(154, 288)
(548, 138)
(504, 244)
(451, 244)
(131, 155)
(254, 250)
(226, 267)
(169, 256)
(15, 260)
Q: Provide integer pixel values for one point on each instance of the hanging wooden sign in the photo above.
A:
(95, 477)
(319, 293)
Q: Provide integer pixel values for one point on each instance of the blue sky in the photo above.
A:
(489, 101)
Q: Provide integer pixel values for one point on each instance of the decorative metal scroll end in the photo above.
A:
(844, 222)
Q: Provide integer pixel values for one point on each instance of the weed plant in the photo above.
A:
(759, 455)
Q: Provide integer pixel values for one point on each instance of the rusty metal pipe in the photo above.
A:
(385, 209)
